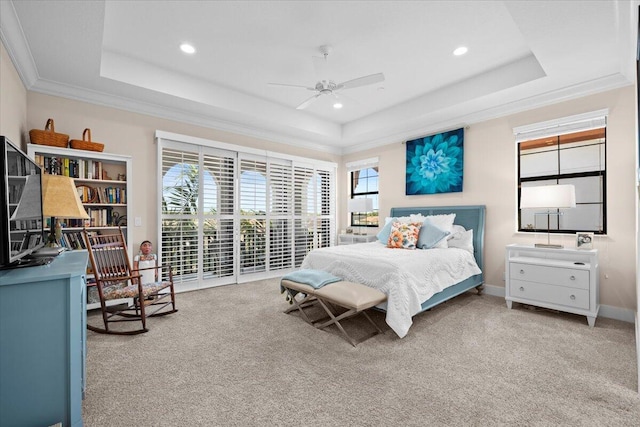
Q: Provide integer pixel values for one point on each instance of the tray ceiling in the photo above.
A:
(521, 54)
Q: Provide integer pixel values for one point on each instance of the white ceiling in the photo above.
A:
(522, 54)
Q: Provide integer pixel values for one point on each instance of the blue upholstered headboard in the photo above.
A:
(470, 217)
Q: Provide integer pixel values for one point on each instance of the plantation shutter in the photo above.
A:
(304, 192)
(280, 214)
(218, 224)
(253, 225)
(232, 214)
(326, 229)
(179, 243)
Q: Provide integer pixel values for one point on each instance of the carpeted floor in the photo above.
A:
(230, 357)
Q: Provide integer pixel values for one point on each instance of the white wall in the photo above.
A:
(132, 134)
(13, 101)
(490, 179)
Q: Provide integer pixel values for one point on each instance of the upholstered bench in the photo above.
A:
(354, 297)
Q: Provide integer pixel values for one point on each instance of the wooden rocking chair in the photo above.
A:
(116, 280)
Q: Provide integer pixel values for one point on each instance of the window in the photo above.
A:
(565, 151)
(363, 176)
(232, 214)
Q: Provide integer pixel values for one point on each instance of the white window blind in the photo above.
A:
(563, 126)
(218, 216)
(230, 216)
(362, 164)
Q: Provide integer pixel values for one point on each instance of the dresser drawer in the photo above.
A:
(573, 278)
(561, 295)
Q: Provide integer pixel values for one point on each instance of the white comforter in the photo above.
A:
(407, 277)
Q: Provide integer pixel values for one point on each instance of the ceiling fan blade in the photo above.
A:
(288, 85)
(308, 102)
(361, 81)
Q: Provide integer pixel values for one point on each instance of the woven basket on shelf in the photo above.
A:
(48, 136)
(85, 143)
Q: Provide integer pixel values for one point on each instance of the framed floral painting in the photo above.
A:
(435, 163)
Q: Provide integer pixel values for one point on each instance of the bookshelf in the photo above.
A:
(103, 184)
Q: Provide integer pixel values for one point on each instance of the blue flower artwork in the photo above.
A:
(435, 163)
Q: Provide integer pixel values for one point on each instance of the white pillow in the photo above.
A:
(462, 240)
(416, 218)
(454, 230)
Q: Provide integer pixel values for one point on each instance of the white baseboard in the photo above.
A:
(608, 311)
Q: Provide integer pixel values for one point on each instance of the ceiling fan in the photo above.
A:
(326, 86)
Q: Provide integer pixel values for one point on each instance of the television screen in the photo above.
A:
(21, 216)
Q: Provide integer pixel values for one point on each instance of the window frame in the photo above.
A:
(559, 129)
(356, 168)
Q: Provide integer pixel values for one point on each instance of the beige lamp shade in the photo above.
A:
(60, 198)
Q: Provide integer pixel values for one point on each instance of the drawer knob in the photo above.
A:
(521, 271)
(572, 297)
(521, 288)
(572, 277)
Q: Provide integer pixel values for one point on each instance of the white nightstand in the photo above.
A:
(350, 239)
(560, 279)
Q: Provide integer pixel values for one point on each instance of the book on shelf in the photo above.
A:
(74, 168)
(72, 240)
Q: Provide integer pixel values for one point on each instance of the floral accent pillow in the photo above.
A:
(403, 236)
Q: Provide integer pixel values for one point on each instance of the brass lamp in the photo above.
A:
(60, 200)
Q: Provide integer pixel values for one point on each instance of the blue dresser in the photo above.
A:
(43, 342)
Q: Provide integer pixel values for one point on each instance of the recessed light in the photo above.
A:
(337, 105)
(460, 51)
(187, 48)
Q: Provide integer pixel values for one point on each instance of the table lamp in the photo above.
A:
(359, 206)
(60, 200)
(30, 200)
(548, 197)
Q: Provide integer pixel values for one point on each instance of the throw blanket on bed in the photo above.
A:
(407, 277)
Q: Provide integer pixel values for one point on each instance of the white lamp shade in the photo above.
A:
(30, 200)
(548, 197)
(360, 205)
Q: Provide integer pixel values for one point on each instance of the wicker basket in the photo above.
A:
(48, 136)
(85, 143)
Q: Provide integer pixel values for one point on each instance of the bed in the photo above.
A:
(413, 280)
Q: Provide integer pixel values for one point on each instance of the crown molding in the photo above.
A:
(177, 114)
(15, 43)
(429, 125)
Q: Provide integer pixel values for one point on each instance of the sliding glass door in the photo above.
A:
(229, 216)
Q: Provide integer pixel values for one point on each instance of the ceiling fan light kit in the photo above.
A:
(329, 87)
